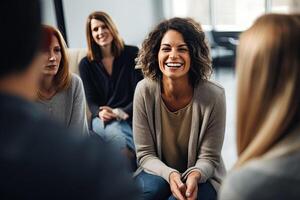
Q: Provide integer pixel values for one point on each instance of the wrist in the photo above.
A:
(121, 115)
(196, 175)
(174, 174)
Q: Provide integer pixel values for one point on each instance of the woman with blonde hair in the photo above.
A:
(61, 93)
(268, 130)
(109, 78)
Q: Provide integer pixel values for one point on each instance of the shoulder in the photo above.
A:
(207, 91)
(212, 88)
(145, 92)
(84, 62)
(75, 79)
(262, 179)
(130, 51)
(243, 183)
(76, 85)
(147, 87)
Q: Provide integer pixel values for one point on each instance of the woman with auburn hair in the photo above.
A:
(109, 78)
(61, 93)
(178, 116)
(268, 112)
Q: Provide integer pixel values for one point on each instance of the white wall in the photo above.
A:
(134, 18)
(48, 11)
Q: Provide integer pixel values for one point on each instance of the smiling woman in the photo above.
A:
(109, 77)
(61, 93)
(178, 116)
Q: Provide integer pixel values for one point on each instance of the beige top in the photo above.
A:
(176, 127)
(206, 135)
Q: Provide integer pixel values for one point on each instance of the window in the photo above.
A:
(285, 6)
(224, 15)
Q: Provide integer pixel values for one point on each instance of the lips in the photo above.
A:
(102, 37)
(174, 64)
(51, 66)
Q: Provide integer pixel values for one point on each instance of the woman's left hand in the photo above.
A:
(192, 185)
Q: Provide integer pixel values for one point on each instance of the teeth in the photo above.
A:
(174, 64)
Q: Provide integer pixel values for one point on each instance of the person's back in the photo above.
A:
(40, 159)
(274, 177)
(268, 112)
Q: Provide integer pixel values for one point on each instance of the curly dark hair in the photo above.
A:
(193, 36)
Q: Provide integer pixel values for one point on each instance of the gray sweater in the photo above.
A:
(206, 136)
(68, 106)
(274, 176)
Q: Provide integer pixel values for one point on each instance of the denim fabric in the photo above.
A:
(153, 187)
(118, 133)
(156, 188)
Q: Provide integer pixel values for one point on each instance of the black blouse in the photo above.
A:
(115, 91)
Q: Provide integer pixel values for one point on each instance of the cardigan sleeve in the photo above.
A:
(92, 98)
(144, 139)
(209, 153)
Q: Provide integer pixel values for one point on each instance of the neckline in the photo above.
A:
(177, 112)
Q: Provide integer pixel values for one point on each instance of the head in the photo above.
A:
(100, 31)
(268, 68)
(57, 64)
(20, 60)
(155, 53)
(18, 51)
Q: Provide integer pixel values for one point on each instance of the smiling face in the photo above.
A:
(54, 56)
(173, 56)
(101, 34)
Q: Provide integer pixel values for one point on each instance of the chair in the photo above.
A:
(75, 55)
(223, 46)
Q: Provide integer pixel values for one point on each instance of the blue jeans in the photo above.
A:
(118, 133)
(156, 188)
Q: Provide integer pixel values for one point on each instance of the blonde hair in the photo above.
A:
(94, 51)
(268, 68)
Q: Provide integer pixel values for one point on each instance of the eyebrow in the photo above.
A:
(181, 45)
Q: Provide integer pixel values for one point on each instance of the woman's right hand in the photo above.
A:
(177, 187)
(106, 114)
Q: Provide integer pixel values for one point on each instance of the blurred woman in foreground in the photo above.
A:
(268, 113)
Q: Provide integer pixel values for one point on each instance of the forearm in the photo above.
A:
(204, 168)
(155, 166)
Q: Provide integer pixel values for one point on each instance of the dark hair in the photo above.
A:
(94, 51)
(20, 34)
(193, 36)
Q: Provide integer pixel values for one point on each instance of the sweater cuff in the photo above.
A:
(166, 173)
(203, 177)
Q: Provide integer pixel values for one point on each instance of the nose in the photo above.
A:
(52, 57)
(100, 30)
(173, 54)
